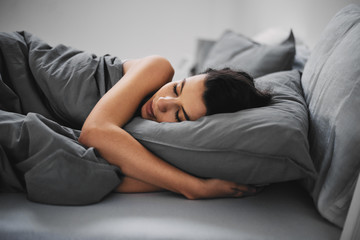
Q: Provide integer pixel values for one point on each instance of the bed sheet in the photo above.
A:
(281, 212)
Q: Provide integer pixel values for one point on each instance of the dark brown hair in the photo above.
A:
(228, 91)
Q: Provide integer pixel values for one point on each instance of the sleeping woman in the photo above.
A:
(215, 91)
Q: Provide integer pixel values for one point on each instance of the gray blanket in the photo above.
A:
(46, 93)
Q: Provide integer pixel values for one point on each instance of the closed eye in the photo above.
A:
(176, 93)
(177, 116)
(174, 89)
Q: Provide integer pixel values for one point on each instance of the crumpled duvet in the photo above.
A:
(46, 93)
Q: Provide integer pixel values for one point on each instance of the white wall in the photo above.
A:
(135, 28)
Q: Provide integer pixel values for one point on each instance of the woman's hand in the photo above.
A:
(216, 188)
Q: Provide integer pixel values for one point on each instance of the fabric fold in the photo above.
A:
(46, 93)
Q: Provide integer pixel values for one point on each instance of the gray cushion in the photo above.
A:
(203, 47)
(241, 53)
(331, 84)
(254, 146)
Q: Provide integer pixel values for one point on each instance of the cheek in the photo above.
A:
(166, 117)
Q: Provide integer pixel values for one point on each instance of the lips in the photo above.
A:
(149, 109)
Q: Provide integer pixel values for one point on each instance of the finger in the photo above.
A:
(242, 187)
(246, 188)
(244, 193)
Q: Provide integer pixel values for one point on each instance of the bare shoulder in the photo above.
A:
(156, 62)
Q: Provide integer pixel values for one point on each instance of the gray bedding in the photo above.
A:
(281, 212)
(46, 94)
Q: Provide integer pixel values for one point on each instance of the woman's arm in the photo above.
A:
(131, 185)
(102, 130)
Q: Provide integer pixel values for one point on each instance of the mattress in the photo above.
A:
(280, 211)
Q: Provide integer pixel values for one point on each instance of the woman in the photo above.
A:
(189, 99)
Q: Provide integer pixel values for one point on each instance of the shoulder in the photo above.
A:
(148, 74)
(154, 61)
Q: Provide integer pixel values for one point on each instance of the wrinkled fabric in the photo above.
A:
(331, 82)
(46, 93)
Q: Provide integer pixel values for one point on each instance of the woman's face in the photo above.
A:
(177, 101)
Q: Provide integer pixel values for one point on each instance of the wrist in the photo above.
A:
(195, 189)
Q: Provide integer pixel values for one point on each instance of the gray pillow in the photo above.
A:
(331, 84)
(241, 53)
(203, 48)
(254, 146)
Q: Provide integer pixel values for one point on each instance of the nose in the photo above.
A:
(167, 103)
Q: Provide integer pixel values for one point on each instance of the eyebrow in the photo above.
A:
(181, 89)
(182, 85)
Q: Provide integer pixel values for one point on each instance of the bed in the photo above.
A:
(52, 187)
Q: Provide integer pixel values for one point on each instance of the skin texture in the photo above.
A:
(144, 171)
(177, 101)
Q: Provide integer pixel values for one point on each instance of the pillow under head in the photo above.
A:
(253, 146)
